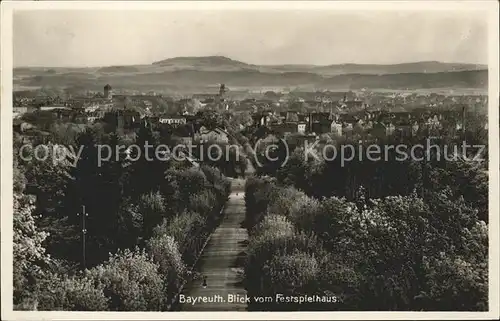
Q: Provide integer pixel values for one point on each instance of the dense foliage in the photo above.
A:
(145, 224)
(391, 253)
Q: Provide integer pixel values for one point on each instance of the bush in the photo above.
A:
(331, 219)
(268, 245)
(152, 208)
(74, 293)
(394, 253)
(132, 282)
(203, 203)
(286, 201)
(459, 282)
(187, 229)
(292, 274)
(274, 225)
(258, 193)
(165, 253)
(304, 213)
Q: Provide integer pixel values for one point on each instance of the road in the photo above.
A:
(222, 261)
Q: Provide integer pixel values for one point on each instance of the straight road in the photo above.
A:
(222, 262)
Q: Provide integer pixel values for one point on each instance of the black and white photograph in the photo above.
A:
(245, 157)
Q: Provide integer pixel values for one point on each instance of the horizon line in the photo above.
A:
(264, 65)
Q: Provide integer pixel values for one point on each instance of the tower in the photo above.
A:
(219, 99)
(222, 91)
(108, 92)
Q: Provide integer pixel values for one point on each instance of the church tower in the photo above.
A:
(108, 92)
(222, 92)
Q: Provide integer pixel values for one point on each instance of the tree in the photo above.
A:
(210, 118)
(71, 293)
(293, 275)
(153, 210)
(132, 282)
(28, 253)
(101, 188)
(165, 253)
(186, 229)
(146, 170)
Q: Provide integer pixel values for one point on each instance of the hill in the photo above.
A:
(221, 63)
(458, 79)
(189, 79)
(122, 69)
(201, 61)
(193, 73)
(224, 63)
(416, 67)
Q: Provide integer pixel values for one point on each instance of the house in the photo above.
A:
(204, 98)
(53, 108)
(261, 119)
(414, 128)
(123, 118)
(183, 134)
(319, 123)
(301, 127)
(353, 104)
(320, 127)
(381, 129)
(336, 128)
(433, 122)
(91, 119)
(216, 135)
(94, 116)
(286, 128)
(172, 120)
(65, 114)
(291, 116)
(184, 140)
(404, 130)
(389, 129)
(19, 111)
(303, 140)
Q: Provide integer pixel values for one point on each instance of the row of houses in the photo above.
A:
(379, 123)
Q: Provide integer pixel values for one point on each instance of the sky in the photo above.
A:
(55, 38)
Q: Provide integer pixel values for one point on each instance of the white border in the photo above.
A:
(7, 8)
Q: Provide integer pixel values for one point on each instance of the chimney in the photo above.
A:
(310, 122)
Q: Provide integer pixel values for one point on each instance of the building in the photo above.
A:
(389, 129)
(287, 128)
(336, 128)
(291, 116)
(53, 108)
(172, 120)
(319, 123)
(108, 92)
(123, 118)
(221, 97)
(19, 111)
(261, 119)
(216, 135)
(301, 127)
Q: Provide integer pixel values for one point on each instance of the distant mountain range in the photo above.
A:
(196, 72)
(222, 63)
